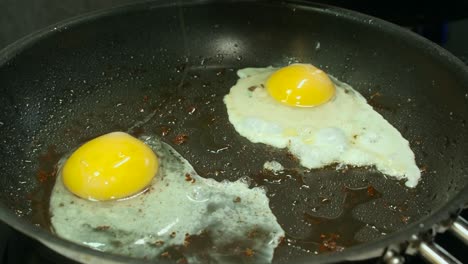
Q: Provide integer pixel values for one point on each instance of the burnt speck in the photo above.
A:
(158, 243)
(423, 169)
(191, 110)
(145, 98)
(261, 85)
(375, 95)
(42, 176)
(101, 228)
(189, 178)
(45, 175)
(237, 199)
(405, 219)
(253, 234)
(180, 139)
(281, 240)
(252, 88)
(371, 191)
(187, 240)
(173, 234)
(329, 243)
(249, 252)
(165, 131)
(48, 165)
(291, 156)
(182, 261)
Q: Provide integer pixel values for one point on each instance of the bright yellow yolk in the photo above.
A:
(112, 166)
(300, 85)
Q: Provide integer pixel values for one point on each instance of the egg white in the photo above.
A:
(149, 224)
(345, 130)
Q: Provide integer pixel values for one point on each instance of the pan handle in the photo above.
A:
(460, 229)
(435, 254)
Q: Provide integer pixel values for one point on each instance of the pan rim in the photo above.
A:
(424, 223)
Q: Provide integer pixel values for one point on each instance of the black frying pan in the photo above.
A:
(108, 70)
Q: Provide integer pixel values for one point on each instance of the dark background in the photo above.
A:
(443, 22)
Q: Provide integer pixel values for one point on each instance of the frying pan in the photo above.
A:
(170, 64)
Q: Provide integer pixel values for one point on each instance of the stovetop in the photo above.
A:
(18, 18)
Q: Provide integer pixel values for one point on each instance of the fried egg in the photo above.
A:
(319, 119)
(177, 214)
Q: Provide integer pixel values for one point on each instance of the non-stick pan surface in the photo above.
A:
(167, 67)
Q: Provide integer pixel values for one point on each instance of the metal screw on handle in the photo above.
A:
(435, 254)
(393, 257)
(460, 229)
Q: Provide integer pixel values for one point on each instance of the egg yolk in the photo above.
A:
(301, 85)
(112, 166)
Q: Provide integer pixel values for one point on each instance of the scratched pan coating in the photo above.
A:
(167, 68)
